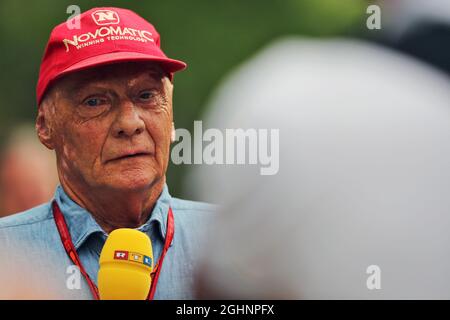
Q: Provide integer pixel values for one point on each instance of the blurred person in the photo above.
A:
(363, 188)
(28, 175)
(105, 108)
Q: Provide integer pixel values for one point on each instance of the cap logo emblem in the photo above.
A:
(105, 17)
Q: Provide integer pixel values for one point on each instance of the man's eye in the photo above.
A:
(147, 95)
(94, 102)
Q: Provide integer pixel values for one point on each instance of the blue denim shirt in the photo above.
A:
(35, 233)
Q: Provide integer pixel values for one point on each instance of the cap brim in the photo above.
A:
(169, 65)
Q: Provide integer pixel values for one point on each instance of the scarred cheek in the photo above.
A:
(66, 162)
(79, 144)
(68, 154)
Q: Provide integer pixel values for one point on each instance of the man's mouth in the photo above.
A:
(130, 156)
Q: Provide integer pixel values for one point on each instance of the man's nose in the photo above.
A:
(128, 121)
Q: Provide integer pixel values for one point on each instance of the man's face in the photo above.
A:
(112, 126)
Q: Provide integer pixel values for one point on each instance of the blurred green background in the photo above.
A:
(211, 36)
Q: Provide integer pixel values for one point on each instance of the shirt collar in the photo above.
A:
(81, 224)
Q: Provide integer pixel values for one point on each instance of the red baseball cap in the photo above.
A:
(104, 36)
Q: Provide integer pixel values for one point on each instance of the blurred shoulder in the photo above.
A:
(27, 219)
(193, 219)
(192, 207)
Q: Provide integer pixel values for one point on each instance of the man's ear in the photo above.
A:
(173, 133)
(43, 129)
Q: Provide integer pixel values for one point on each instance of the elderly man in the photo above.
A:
(105, 107)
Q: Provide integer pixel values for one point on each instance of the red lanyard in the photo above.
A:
(72, 252)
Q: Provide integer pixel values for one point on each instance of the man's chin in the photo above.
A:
(132, 183)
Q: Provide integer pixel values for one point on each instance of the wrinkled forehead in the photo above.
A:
(127, 74)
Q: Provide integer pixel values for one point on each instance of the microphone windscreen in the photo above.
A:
(126, 262)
